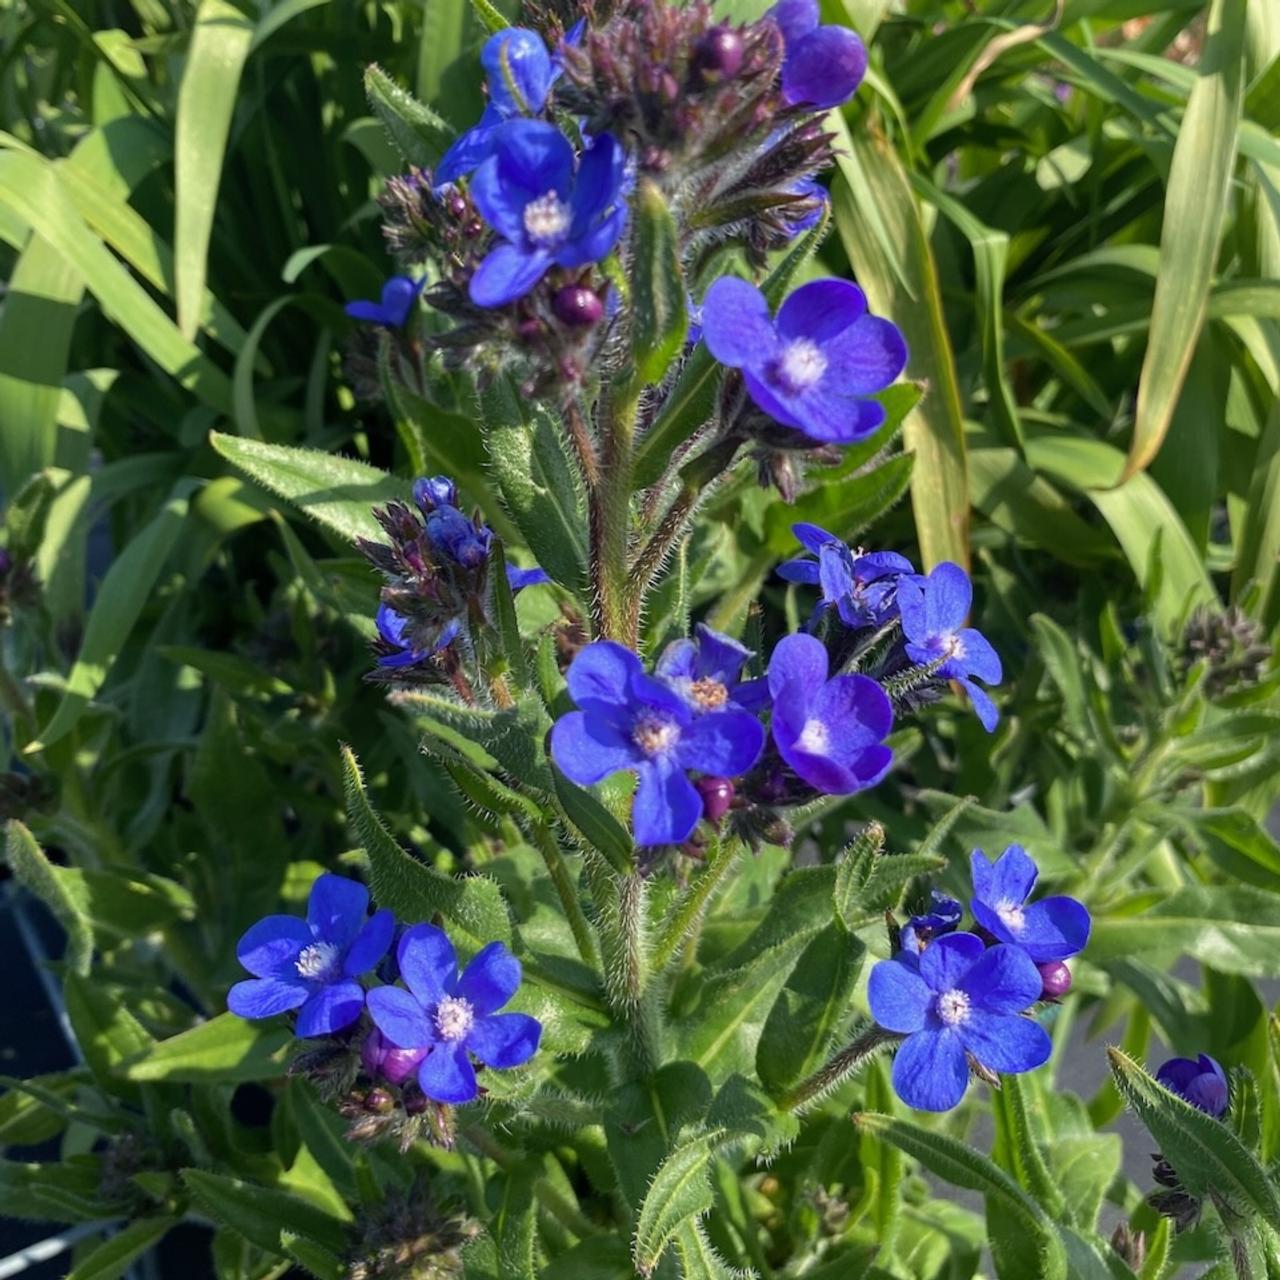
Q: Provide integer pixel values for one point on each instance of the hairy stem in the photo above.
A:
(693, 906)
(583, 446)
(615, 608)
(839, 1067)
(567, 894)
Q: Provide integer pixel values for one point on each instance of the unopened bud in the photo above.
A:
(577, 306)
(1056, 979)
(718, 55)
(717, 797)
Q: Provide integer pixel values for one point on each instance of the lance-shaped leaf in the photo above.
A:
(224, 1050)
(659, 309)
(39, 876)
(113, 1256)
(680, 1192)
(591, 821)
(1208, 1157)
(416, 132)
(262, 1214)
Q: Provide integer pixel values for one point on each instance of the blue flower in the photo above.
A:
(815, 367)
(707, 672)
(455, 537)
(312, 965)
(1050, 929)
(399, 296)
(862, 589)
(956, 998)
(1200, 1081)
(518, 579)
(545, 213)
(629, 720)
(830, 732)
(824, 65)
(520, 74)
(392, 627)
(808, 189)
(933, 611)
(430, 492)
(384, 1061)
(454, 1017)
(942, 918)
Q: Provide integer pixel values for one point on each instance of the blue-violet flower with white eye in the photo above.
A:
(430, 492)
(399, 297)
(824, 65)
(1050, 929)
(861, 588)
(813, 368)
(942, 918)
(1200, 1081)
(957, 997)
(454, 1017)
(547, 213)
(707, 671)
(312, 965)
(831, 732)
(520, 73)
(933, 611)
(629, 720)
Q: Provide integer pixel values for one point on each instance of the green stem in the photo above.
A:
(615, 611)
(568, 895)
(692, 910)
(839, 1067)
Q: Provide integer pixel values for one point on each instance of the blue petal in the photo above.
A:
(736, 325)
(798, 659)
(867, 357)
(336, 909)
(398, 297)
(587, 748)
(720, 656)
(667, 807)
(370, 312)
(911, 608)
(944, 963)
(752, 695)
(929, 1070)
(979, 659)
(803, 571)
(333, 1008)
(822, 413)
(400, 1018)
(599, 184)
(1003, 980)
(725, 744)
(1010, 878)
(446, 1075)
(508, 272)
(678, 661)
(779, 404)
(532, 158)
(824, 68)
(948, 595)
(518, 579)
(795, 18)
(371, 944)
(266, 997)
(596, 243)
(490, 980)
(835, 571)
(391, 626)
(468, 151)
(271, 946)
(428, 963)
(1005, 1042)
(857, 713)
(899, 998)
(1055, 928)
(813, 537)
(505, 1040)
(602, 673)
(821, 311)
(518, 67)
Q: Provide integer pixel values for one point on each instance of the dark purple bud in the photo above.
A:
(717, 797)
(415, 1103)
(577, 306)
(718, 55)
(379, 1102)
(1056, 979)
(430, 492)
(382, 1060)
(457, 206)
(473, 228)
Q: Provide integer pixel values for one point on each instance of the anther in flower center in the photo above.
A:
(953, 1007)
(1011, 915)
(454, 1017)
(317, 961)
(800, 365)
(655, 735)
(709, 694)
(814, 738)
(546, 219)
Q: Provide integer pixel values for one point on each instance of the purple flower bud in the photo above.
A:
(452, 535)
(717, 797)
(1056, 978)
(415, 1103)
(577, 306)
(718, 55)
(379, 1102)
(382, 1060)
(1201, 1081)
(430, 492)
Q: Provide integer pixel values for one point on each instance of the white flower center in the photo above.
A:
(954, 646)
(654, 735)
(801, 364)
(317, 961)
(1011, 915)
(546, 219)
(814, 738)
(454, 1017)
(953, 1007)
(709, 694)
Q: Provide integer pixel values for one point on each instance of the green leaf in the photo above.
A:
(845, 507)
(595, 824)
(339, 493)
(680, 1191)
(39, 876)
(660, 311)
(124, 592)
(1258, 542)
(225, 1049)
(812, 1009)
(490, 16)
(107, 1033)
(1195, 211)
(514, 1226)
(417, 133)
(321, 1262)
(262, 1214)
(508, 627)
(410, 888)
(1240, 844)
(1208, 1157)
(206, 101)
(112, 1257)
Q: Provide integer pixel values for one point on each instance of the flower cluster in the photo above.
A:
(425, 1031)
(1203, 1083)
(959, 998)
(436, 566)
